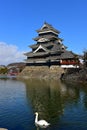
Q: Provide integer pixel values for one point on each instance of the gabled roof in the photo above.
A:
(54, 46)
(58, 47)
(41, 47)
(47, 28)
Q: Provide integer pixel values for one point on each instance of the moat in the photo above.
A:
(63, 105)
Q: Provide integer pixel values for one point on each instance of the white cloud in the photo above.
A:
(10, 53)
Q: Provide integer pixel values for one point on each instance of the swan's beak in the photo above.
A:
(36, 113)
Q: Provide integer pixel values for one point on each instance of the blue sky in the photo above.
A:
(20, 18)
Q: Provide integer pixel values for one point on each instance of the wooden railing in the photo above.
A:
(69, 63)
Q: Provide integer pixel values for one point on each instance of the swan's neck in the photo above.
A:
(36, 118)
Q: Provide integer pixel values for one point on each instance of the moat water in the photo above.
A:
(64, 106)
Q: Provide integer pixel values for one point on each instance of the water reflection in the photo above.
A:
(84, 96)
(63, 105)
(14, 113)
(50, 98)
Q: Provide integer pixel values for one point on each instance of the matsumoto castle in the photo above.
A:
(49, 50)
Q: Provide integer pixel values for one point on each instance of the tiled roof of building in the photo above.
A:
(47, 27)
(34, 46)
(67, 54)
(47, 36)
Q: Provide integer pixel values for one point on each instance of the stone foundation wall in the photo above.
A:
(42, 72)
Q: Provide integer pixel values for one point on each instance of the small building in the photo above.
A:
(49, 50)
(15, 68)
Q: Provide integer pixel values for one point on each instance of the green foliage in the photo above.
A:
(3, 70)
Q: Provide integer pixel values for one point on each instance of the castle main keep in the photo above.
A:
(49, 49)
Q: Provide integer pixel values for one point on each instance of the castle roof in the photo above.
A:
(47, 28)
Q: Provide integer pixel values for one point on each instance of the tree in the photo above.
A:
(85, 58)
(3, 70)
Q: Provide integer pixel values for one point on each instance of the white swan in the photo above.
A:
(41, 123)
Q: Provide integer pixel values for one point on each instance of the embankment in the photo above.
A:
(75, 75)
(42, 72)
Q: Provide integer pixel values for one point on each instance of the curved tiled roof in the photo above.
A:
(47, 27)
(67, 54)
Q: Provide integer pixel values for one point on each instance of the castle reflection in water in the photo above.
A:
(50, 98)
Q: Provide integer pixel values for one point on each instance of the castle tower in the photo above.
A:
(49, 49)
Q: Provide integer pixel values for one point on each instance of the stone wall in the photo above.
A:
(42, 72)
(75, 75)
